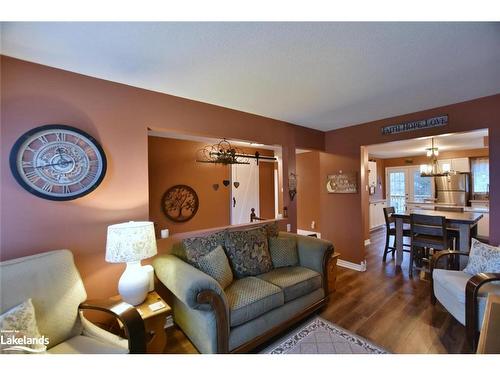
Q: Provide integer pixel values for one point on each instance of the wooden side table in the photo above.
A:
(154, 321)
(332, 272)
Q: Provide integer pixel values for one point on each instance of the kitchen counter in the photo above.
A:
(479, 201)
(431, 206)
(377, 200)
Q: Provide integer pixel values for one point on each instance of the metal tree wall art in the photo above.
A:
(180, 203)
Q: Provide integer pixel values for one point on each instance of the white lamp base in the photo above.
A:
(134, 284)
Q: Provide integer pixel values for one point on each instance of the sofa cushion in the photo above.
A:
(248, 252)
(215, 264)
(449, 289)
(455, 281)
(196, 247)
(251, 297)
(294, 281)
(283, 251)
(86, 345)
(483, 258)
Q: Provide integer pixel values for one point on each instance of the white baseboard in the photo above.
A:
(361, 267)
(367, 242)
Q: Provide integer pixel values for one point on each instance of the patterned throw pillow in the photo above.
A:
(283, 251)
(19, 330)
(197, 247)
(215, 264)
(483, 258)
(272, 229)
(248, 252)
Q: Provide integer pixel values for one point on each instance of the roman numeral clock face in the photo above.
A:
(58, 162)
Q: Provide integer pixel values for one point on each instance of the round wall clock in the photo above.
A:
(180, 203)
(58, 162)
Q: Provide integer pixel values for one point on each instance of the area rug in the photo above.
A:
(319, 336)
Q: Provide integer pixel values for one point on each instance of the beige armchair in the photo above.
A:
(53, 283)
(463, 295)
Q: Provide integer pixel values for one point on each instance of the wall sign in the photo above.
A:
(342, 182)
(415, 125)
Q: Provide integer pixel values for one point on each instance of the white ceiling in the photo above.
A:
(319, 75)
(417, 146)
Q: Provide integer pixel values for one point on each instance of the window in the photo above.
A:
(422, 186)
(480, 175)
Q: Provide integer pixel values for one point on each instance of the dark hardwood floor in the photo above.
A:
(383, 305)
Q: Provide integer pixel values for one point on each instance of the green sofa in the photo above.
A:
(251, 310)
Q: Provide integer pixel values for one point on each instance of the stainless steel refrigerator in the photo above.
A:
(453, 190)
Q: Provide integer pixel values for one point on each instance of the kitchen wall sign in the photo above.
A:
(415, 125)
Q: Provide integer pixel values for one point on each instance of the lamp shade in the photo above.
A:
(130, 242)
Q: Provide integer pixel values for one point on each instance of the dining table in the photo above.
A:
(464, 222)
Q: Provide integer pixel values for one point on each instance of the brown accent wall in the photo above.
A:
(118, 116)
(172, 162)
(345, 146)
(308, 191)
(266, 189)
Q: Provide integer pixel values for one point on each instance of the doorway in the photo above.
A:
(406, 185)
(245, 192)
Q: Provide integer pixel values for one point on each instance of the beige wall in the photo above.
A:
(118, 116)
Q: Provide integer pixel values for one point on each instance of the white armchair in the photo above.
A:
(53, 283)
(463, 295)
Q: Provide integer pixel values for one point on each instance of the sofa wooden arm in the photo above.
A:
(452, 257)
(128, 316)
(222, 322)
(472, 305)
(445, 254)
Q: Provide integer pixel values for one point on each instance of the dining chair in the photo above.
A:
(453, 233)
(427, 232)
(390, 226)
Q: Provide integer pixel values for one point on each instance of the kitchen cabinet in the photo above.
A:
(479, 204)
(376, 214)
(457, 165)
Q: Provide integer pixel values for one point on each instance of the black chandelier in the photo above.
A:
(225, 153)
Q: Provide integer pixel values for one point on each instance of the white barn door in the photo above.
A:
(246, 195)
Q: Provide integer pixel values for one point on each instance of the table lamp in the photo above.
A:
(130, 243)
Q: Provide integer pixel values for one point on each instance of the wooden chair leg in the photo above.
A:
(386, 250)
(412, 252)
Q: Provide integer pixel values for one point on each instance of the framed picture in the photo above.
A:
(342, 182)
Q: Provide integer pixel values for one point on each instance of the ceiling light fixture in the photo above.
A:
(432, 169)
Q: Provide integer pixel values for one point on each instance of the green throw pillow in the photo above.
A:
(283, 251)
(215, 264)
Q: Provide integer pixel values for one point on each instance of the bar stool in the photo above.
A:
(427, 232)
(391, 231)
